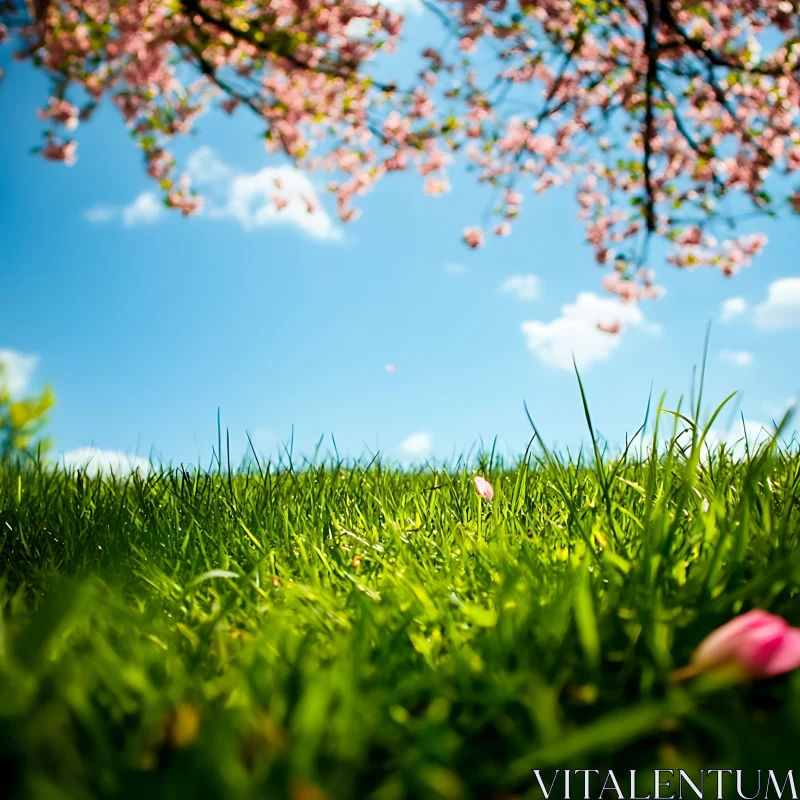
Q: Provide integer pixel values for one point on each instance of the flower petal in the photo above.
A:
(723, 644)
(787, 657)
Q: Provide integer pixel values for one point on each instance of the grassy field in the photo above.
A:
(365, 632)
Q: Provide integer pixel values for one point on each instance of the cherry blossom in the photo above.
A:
(474, 237)
(668, 119)
(56, 150)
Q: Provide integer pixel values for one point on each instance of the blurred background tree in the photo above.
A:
(22, 420)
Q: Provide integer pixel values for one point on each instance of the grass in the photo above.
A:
(366, 632)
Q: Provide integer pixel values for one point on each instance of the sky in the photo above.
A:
(146, 323)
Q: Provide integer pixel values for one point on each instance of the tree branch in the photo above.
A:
(650, 81)
(193, 7)
(701, 48)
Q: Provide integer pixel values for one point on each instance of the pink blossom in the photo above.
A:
(186, 204)
(56, 150)
(432, 55)
(610, 327)
(690, 236)
(229, 105)
(347, 213)
(483, 488)
(646, 275)
(183, 200)
(423, 105)
(517, 136)
(321, 105)
(280, 202)
(159, 164)
(627, 290)
(503, 229)
(757, 644)
(474, 237)
(436, 160)
(396, 127)
(752, 244)
(602, 255)
(436, 186)
(62, 112)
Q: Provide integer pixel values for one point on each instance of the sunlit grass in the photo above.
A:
(360, 631)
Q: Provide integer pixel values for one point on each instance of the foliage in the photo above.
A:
(343, 631)
(672, 117)
(21, 420)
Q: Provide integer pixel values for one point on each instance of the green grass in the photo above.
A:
(365, 632)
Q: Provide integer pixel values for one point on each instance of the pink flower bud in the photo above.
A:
(760, 644)
(483, 488)
(467, 44)
(474, 237)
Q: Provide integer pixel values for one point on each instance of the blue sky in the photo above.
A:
(145, 322)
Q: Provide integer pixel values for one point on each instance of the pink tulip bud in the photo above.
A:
(760, 644)
(483, 487)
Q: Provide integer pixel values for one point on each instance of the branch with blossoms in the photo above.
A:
(668, 116)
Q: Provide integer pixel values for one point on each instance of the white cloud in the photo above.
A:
(576, 333)
(145, 209)
(16, 370)
(454, 268)
(262, 439)
(733, 307)
(781, 309)
(416, 444)
(741, 358)
(205, 166)
(524, 287)
(251, 202)
(740, 437)
(100, 214)
(777, 411)
(248, 198)
(104, 462)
